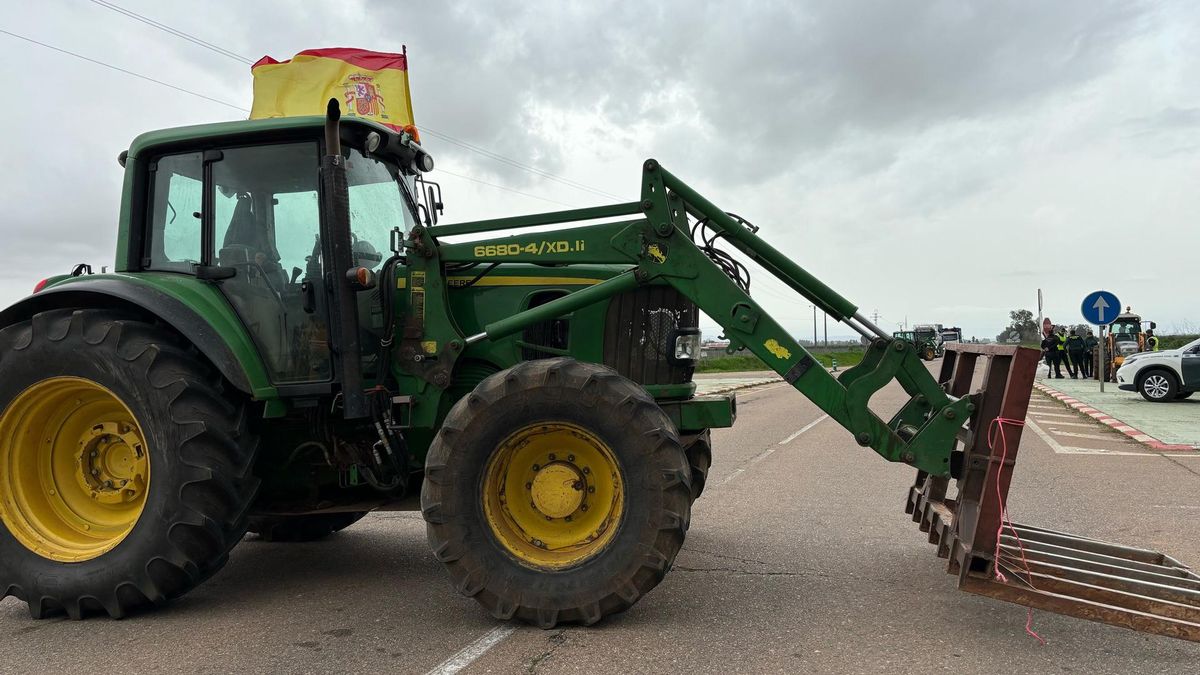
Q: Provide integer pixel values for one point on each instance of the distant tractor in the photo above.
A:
(927, 347)
(1125, 337)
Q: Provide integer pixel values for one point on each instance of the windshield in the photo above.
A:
(380, 200)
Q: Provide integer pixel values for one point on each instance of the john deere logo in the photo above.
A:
(777, 349)
(657, 253)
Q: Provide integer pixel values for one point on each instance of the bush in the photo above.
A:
(1174, 341)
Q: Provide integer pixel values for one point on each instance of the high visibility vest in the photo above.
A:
(1152, 341)
(1062, 341)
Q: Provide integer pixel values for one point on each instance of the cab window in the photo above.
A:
(176, 190)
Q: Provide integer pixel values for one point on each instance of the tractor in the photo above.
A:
(290, 339)
(926, 346)
(1126, 336)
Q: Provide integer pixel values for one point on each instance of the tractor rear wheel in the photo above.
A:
(929, 353)
(125, 471)
(556, 491)
(309, 527)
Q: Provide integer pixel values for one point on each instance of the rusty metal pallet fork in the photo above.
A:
(1063, 573)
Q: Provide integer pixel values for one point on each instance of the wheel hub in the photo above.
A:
(112, 463)
(553, 495)
(558, 489)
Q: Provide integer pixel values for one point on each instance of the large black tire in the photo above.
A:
(1158, 385)
(653, 466)
(302, 528)
(698, 449)
(201, 457)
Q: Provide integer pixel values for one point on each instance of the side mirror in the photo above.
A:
(432, 204)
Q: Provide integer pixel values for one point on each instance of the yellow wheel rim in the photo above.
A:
(74, 469)
(553, 495)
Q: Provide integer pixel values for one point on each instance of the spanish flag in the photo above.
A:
(371, 85)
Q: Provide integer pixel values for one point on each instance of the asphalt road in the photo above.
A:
(799, 559)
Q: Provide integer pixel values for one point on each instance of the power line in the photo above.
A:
(127, 72)
(508, 189)
(446, 137)
(173, 31)
(237, 107)
(524, 167)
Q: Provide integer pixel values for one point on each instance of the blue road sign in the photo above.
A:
(1100, 308)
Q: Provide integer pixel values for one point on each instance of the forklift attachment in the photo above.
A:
(1063, 573)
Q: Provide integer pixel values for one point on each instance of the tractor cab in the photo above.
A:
(244, 204)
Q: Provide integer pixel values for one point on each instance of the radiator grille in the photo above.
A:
(639, 334)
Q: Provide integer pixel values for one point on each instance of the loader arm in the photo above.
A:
(948, 429)
(660, 245)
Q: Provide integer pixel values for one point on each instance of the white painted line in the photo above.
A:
(803, 429)
(1061, 449)
(752, 390)
(1070, 417)
(1095, 437)
(467, 655)
(1192, 507)
(1085, 425)
(767, 453)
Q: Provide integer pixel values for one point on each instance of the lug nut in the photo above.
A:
(537, 467)
(583, 508)
(552, 457)
(591, 489)
(586, 470)
(529, 486)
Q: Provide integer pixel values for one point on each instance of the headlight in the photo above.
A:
(1127, 347)
(1131, 359)
(687, 346)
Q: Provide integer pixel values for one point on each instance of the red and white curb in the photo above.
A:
(1116, 424)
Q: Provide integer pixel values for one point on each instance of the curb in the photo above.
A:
(1112, 422)
(735, 387)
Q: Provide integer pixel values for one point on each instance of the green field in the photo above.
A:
(741, 362)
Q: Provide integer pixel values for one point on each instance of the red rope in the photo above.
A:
(996, 428)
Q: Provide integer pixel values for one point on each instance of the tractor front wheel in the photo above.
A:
(556, 491)
(125, 471)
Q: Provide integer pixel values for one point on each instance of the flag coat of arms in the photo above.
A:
(371, 85)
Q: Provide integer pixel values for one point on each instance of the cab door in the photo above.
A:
(248, 219)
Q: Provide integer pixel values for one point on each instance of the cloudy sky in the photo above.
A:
(933, 161)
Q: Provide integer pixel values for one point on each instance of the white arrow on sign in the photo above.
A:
(1100, 305)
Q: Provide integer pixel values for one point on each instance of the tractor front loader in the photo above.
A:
(258, 363)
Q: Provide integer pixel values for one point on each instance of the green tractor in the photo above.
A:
(290, 340)
(927, 347)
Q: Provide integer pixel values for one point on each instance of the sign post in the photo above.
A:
(1100, 308)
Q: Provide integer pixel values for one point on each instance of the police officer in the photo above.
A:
(1053, 361)
(1151, 341)
(1075, 356)
(1089, 353)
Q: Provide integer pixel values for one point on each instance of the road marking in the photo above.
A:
(1175, 506)
(803, 429)
(767, 453)
(1061, 449)
(1096, 437)
(467, 655)
(1070, 417)
(1086, 425)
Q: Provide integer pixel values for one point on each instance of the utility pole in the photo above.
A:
(814, 325)
(826, 315)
